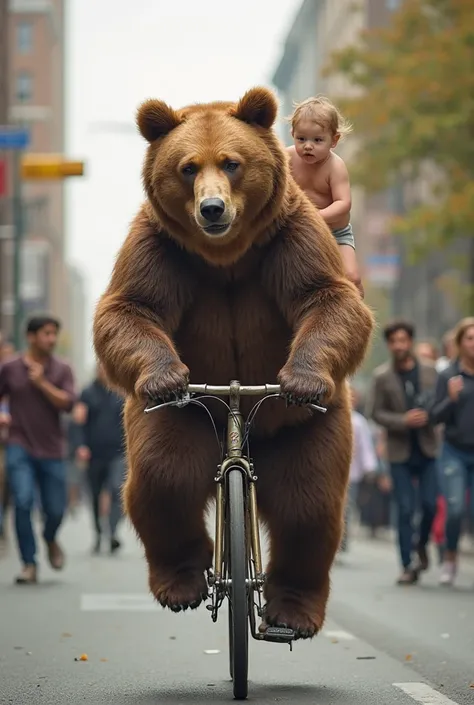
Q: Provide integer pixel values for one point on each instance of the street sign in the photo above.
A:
(13, 137)
(49, 166)
(383, 269)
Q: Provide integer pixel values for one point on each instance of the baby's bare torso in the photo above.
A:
(315, 181)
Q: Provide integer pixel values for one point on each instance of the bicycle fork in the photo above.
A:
(234, 459)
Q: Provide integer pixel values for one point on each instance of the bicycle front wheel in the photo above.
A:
(237, 572)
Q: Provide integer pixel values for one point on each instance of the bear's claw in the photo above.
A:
(290, 616)
(182, 590)
(183, 606)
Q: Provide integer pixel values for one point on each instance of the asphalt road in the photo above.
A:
(382, 645)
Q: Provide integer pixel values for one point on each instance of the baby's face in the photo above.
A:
(312, 141)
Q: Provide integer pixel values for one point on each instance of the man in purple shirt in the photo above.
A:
(39, 387)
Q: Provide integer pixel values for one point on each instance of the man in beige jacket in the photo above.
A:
(400, 402)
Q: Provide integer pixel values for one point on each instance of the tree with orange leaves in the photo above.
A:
(414, 114)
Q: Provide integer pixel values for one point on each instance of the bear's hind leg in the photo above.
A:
(173, 456)
(302, 483)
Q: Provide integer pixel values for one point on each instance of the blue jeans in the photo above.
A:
(456, 476)
(405, 496)
(24, 472)
(108, 475)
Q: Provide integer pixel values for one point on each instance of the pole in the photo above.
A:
(17, 250)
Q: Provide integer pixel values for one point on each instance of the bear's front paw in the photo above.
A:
(301, 386)
(164, 383)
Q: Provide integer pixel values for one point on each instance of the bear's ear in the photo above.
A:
(257, 107)
(155, 119)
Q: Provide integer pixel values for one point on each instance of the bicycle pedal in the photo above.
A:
(278, 634)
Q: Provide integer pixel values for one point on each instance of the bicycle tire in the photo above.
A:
(237, 571)
(231, 645)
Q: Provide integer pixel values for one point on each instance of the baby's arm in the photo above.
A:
(341, 193)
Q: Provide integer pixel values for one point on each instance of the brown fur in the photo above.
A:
(268, 301)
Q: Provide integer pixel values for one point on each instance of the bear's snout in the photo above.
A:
(212, 209)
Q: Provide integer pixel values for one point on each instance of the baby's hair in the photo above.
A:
(323, 112)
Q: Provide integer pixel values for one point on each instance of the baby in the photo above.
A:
(316, 127)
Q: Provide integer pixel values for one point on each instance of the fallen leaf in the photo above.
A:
(408, 657)
(471, 685)
(334, 641)
(104, 660)
(66, 634)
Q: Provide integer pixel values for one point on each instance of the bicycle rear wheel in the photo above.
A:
(237, 572)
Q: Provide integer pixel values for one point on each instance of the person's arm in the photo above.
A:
(5, 418)
(341, 194)
(391, 420)
(80, 418)
(443, 405)
(368, 456)
(62, 397)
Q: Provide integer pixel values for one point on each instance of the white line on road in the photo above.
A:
(422, 693)
(340, 635)
(116, 602)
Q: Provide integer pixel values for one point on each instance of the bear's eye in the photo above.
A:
(231, 166)
(189, 169)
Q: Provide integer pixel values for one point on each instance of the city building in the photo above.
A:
(36, 76)
(392, 284)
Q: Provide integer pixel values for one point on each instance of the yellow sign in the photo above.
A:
(49, 166)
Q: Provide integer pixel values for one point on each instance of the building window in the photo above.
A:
(24, 37)
(24, 87)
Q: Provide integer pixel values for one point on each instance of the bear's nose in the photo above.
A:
(212, 209)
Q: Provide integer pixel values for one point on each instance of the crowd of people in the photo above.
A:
(418, 419)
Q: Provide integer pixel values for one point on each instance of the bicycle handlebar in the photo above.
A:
(225, 390)
(244, 390)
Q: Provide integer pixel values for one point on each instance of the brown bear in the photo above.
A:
(229, 272)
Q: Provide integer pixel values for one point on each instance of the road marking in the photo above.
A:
(422, 693)
(117, 602)
(341, 635)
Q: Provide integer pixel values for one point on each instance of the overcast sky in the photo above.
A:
(122, 52)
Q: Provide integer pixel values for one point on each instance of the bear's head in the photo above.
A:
(215, 174)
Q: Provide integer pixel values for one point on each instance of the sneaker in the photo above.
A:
(114, 544)
(55, 555)
(408, 577)
(448, 573)
(424, 561)
(28, 575)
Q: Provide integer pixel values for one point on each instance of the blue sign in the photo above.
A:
(13, 137)
(388, 260)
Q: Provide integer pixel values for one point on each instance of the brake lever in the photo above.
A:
(321, 409)
(180, 403)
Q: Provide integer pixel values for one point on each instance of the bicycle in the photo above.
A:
(237, 571)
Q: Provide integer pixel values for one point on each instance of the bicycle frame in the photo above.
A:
(235, 458)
